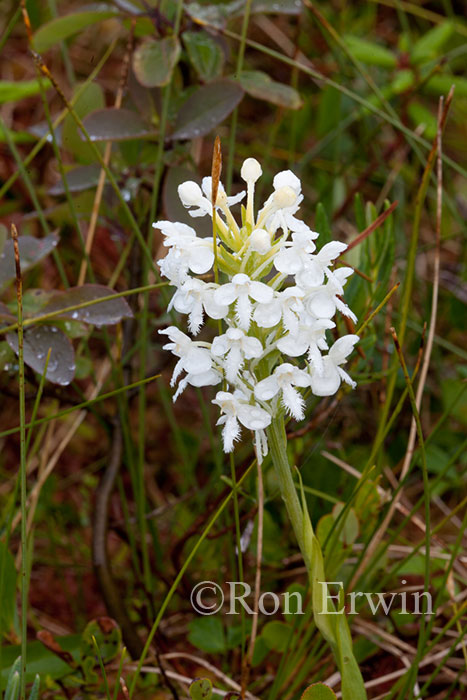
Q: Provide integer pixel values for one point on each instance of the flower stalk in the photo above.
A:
(333, 624)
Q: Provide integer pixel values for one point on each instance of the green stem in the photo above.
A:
(331, 623)
(277, 447)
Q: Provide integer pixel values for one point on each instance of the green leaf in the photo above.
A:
(322, 224)
(206, 108)
(34, 694)
(91, 99)
(12, 689)
(61, 28)
(78, 179)
(155, 59)
(31, 251)
(207, 634)
(441, 84)
(111, 124)
(348, 525)
(430, 44)
(260, 85)
(105, 313)
(201, 689)
(318, 691)
(217, 15)
(7, 589)
(276, 635)
(369, 52)
(11, 91)
(39, 659)
(419, 114)
(205, 54)
(37, 341)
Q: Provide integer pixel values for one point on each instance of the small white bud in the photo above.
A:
(284, 197)
(190, 193)
(260, 241)
(251, 170)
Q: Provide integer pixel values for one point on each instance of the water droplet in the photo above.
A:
(54, 330)
(75, 314)
(40, 355)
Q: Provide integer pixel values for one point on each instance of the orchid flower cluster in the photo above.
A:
(276, 305)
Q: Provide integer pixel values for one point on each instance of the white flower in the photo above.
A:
(189, 251)
(286, 306)
(193, 359)
(328, 381)
(280, 207)
(296, 254)
(240, 289)
(194, 297)
(235, 346)
(323, 301)
(192, 195)
(209, 378)
(236, 409)
(317, 268)
(260, 241)
(283, 380)
(311, 338)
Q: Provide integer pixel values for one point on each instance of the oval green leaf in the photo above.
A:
(369, 52)
(260, 85)
(90, 100)
(78, 179)
(430, 45)
(61, 28)
(113, 124)
(206, 108)
(31, 250)
(154, 61)
(201, 689)
(37, 341)
(318, 691)
(205, 54)
(104, 313)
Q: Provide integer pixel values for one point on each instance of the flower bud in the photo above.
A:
(284, 197)
(260, 241)
(251, 170)
(190, 193)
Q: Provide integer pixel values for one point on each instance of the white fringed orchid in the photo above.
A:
(282, 381)
(235, 408)
(263, 317)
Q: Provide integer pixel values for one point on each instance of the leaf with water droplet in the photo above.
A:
(103, 313)
(37, 341)
(31, 250)
(113, 124)
(206, 108)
